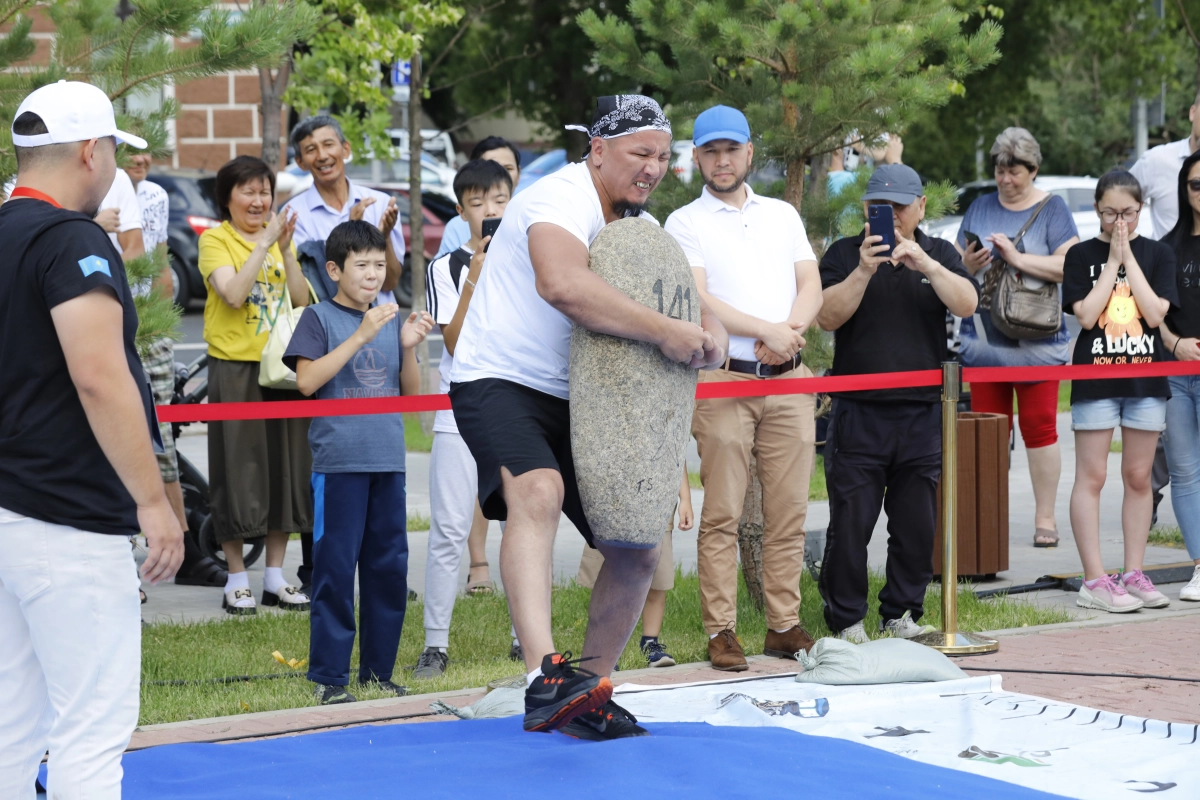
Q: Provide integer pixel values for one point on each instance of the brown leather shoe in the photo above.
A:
(788, 643)
(725, 652)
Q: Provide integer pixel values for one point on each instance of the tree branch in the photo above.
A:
(480, 115)
(458, 34)
(1187, 24)
(484, 71)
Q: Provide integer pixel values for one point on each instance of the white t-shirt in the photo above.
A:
(510, 332)
(748, 255)
(155, 207)
(442, 295)
(123, 197)
(1158, 173)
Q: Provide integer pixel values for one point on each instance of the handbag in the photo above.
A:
(272, 372)
(1019, 311)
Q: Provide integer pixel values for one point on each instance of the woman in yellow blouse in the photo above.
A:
(259, 470)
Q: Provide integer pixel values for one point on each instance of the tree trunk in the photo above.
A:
(793, 187)
(750, 538)
(271, 87)
(416, 221)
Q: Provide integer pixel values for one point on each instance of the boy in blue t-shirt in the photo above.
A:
(348, 348)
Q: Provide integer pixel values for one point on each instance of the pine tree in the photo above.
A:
(807, 74)
(131, 58)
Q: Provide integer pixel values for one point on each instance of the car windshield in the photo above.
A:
(1077, 198)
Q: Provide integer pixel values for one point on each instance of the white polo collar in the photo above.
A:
(315, 200)
(712, 203)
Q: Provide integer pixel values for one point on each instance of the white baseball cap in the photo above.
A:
(73, 112)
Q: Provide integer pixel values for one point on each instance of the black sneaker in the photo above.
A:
(657, 655)
(607, 723)
(333, 695)
(431, 664)
(386, 686)
(516, 653)
(562, 693)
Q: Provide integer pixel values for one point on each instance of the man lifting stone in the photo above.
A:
(509, 392)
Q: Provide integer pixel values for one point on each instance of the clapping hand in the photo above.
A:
(415, 329)
(360, 208)
(374, 320)
(387, 220)
(281, 227)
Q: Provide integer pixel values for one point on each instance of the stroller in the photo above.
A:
(194, 484)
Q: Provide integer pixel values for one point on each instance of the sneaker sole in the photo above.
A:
(590, 700)
(585, 733)
(1166, 601)
(1096, 604)
(665, 661)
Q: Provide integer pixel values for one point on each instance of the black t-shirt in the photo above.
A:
(900, 325)
(1119, 336)
(51, 466)
(1185, 320)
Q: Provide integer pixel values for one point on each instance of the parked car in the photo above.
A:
(433, 208)
(1078, 192)
(540, 167)
(193, 210)
(434, 176)
(434, 144)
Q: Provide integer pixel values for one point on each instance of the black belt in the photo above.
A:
(761, 370)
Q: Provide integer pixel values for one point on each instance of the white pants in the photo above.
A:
(70, 658)
(453, 487)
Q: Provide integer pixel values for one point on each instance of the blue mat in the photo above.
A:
(495, 758)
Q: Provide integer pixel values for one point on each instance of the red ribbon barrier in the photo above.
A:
(286, 409)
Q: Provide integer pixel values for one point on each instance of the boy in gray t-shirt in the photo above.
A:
(349, 348)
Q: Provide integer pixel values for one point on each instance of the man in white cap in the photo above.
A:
(78, 475)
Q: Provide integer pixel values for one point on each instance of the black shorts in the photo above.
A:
(509, 425)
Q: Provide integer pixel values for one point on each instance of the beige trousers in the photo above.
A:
(779, 432)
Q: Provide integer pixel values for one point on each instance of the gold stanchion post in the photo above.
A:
(950, 639)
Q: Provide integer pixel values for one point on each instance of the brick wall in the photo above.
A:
(219, 118)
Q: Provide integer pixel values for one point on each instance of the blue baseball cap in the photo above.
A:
(721, 122)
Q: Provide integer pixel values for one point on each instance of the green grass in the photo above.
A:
(1114, 446)
(479, 643)
(415, 439)
(1166, 536)
(816, 481)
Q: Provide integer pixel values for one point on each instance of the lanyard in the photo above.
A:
(25, 191)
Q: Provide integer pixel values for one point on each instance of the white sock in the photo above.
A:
(785, 630)
(237, 580)
(714, 635)
(516, 642)
(533, 676)
(273, 580)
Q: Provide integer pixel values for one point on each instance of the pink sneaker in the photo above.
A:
(1107, 594)
(1138, 585)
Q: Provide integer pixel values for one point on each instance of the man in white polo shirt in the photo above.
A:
(756, 270)
(1158, 173)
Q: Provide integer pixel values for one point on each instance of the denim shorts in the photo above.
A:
(1139, 413)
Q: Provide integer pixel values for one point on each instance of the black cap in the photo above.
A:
(894, 183)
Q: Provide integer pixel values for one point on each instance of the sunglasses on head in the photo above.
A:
(1194, 184)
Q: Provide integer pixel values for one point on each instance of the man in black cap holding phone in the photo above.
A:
(884, 447)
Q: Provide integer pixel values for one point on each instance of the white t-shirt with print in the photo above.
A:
(510, 332)
(123, 197)
(155, 207)
(442, 295)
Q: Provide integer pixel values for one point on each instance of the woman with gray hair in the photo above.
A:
(988, 239)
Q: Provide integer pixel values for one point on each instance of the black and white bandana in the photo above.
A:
(623, 114)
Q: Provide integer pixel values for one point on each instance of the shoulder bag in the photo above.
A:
(1018, 311)
(272, 372)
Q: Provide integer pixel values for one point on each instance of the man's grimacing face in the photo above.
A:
(631, 166)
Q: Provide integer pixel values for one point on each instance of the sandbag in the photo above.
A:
(837, 662)
(503, 702)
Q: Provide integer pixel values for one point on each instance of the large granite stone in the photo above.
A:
(631, 407)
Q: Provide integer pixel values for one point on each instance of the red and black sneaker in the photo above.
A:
(562, 692)
(604, 724)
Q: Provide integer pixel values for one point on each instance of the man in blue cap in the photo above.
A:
(755, 269)
(884, 447)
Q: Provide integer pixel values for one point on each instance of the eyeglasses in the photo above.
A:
(1194, 185)
(1110, 216)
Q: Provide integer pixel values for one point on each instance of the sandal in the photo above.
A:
(203, 572)
(476, 588)
(1045, 537)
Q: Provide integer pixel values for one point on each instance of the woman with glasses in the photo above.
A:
(1181, 341)
(1120, 286)
(987, 243)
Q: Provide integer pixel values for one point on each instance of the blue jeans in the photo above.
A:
(1183, 456)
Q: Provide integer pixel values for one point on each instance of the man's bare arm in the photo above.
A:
(560, 262)
(131, 243)
(89, 329)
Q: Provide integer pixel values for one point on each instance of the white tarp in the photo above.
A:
(970, 724)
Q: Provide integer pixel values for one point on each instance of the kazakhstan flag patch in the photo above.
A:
(94, 264)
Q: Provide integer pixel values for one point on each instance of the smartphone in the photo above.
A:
(883, 223)
(489, 229)
(973, 239)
